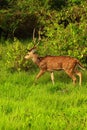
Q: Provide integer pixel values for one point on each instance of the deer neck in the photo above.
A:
(35, 59)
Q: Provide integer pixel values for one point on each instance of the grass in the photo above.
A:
(24, 106)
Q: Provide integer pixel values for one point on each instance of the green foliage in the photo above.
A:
(75, 1)
(15, 55)
(1, 51)
(18, 15)
(68, 37)
(63, 27)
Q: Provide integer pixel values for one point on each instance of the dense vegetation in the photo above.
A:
(63, 25)
(63, 28)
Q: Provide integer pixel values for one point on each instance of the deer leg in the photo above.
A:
(71, 75)
(52, 77)
(39, 74)
(74, 79)
(80, 76)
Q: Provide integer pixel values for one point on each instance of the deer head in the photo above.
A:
(30, 53)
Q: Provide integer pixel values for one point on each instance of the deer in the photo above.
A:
(55, 63)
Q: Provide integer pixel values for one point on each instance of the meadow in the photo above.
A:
(25, 106)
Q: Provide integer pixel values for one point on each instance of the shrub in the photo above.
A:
(64, 40)
(15, 56)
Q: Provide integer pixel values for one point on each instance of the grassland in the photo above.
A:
(24, 106)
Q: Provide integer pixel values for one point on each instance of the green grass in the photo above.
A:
(24, 106)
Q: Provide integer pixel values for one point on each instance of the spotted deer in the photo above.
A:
(54, 63)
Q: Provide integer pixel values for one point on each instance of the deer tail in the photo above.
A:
(81, 66)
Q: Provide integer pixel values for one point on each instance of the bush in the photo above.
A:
(15, 56)
(69, 41)
(65, 40)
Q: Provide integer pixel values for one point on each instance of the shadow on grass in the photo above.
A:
(59, 88)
